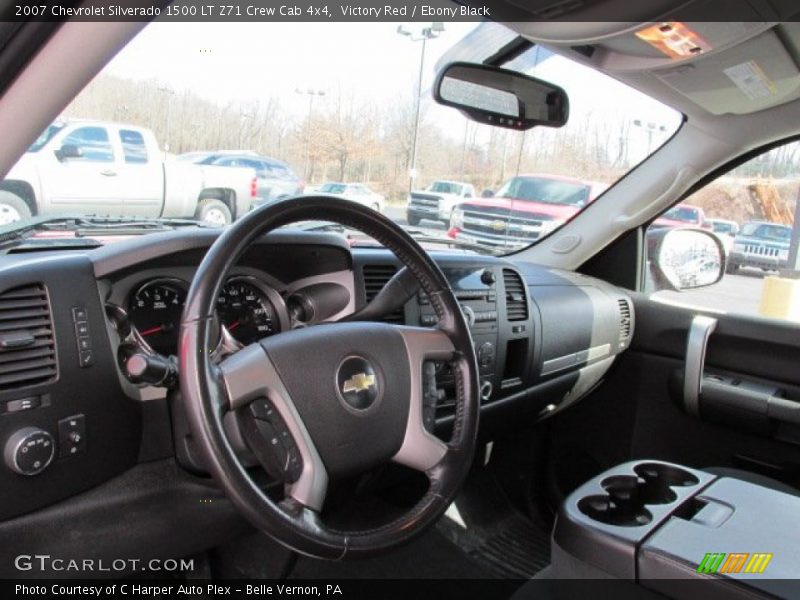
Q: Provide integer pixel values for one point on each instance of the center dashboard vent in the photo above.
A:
(624, 320)
(516, 296)
(27, 341)
(375, 277)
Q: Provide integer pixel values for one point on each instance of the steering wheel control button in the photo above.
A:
(282, 456)
(71, 436)
(357, 383)
(263, 409)
(29, 451)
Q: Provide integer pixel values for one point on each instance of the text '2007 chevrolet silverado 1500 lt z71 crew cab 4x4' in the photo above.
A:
(110, 168)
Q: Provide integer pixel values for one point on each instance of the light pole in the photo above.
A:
(170, 93)
(243, 116)
(427, 33)
(310, 92)
(650, 128)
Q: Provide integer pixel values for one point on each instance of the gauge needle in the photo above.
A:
(152, 330)
(233, 325)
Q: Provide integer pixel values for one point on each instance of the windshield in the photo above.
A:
(445, 187)
(720, 227)
(45, 137)
(271, 118)
(549, 191)
(767, 231)
(683, 213)
(333, 188)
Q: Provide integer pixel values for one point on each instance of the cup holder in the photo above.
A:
(666, 474)
(621, 505)
(627, 496)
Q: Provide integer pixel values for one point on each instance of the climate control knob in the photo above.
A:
(29, 451)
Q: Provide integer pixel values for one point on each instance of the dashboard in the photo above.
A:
(75, 413)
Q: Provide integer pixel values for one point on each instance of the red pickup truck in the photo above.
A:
(525, 209)
(682, 215)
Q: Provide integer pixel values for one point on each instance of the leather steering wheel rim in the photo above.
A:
(210, 390)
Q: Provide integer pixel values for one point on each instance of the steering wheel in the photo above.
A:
(327, 401)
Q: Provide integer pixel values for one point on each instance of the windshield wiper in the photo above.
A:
(94, 225)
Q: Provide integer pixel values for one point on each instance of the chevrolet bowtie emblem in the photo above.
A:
(360, 382)
(498, 225)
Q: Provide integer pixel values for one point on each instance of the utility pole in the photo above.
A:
(307, 150)
(170, 93)
(428, 33)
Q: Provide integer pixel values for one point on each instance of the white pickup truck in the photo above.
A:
(437, 201)
(102, 168)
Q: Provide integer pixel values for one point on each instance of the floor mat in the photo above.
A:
(485, 524)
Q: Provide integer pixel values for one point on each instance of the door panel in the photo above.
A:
(639, 411)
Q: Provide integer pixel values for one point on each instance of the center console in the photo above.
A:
(654, 523)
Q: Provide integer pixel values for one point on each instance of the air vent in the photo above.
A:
(27, 342)
(375, 277)
(516, 296)
(624, 320)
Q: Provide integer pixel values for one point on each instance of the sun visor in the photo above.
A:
(746, 78)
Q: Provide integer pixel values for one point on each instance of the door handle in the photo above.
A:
(699, 331)
(108, 173)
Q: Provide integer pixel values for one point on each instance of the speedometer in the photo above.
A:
(246, 311)
(155, 310)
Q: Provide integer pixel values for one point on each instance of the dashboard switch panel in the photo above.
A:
(72, 436)
(80, 317)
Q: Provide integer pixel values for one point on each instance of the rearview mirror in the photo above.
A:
(685, 259)
(501, 97)
(69, 151)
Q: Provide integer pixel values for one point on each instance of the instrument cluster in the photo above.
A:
(247, 310)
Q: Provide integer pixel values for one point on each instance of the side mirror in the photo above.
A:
(501, 97)
(684, 258)
(69, 151)
(487, 194)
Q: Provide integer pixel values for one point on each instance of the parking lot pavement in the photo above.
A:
(740, 293)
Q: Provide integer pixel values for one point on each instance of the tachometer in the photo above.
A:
(155, 310)
(247, 312)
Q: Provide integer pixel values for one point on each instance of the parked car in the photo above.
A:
(106, 168)
(762, 245)
(726, 230)
(724, 226)
(526, 208)
(357, 192)
(275, 180)
(437, 201)
(682, 215)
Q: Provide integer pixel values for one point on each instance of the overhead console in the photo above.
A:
(652, 522)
